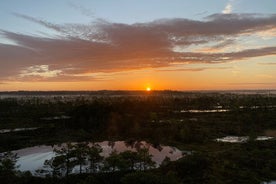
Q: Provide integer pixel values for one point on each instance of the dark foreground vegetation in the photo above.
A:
(188, 121)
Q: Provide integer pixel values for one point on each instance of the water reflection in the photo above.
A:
(204, 111)
(33, 158)
(2, 131)
(233, 139)
(242, 139)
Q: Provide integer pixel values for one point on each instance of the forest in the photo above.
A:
(189, 121)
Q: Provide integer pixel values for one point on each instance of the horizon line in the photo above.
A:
(137, 90)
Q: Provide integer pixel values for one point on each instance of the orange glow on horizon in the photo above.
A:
(233, 77)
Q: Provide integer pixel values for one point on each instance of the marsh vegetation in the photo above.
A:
(190, 122)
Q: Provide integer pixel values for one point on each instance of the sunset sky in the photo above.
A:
(136, 44)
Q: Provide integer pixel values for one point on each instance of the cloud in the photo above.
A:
(254, 83)
(265, 76)
(85, 11)
(193, 69)
(228, 8)
(57, 78)
(41, 22)
(267, 63)
(201, 13)
(107, 47)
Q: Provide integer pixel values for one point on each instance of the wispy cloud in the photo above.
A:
(254, 83)
(203, 13)
(44, 23)
(111, 47)
(193, 69)
(85, 11)
(267, 63)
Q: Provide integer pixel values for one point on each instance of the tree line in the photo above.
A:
(83, 158)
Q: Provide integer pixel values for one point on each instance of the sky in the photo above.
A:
(137, 44)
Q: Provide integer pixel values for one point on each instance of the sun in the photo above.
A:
(148, 89)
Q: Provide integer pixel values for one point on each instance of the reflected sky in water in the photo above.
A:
(33, 158)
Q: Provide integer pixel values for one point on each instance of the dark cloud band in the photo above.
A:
(111, 47)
